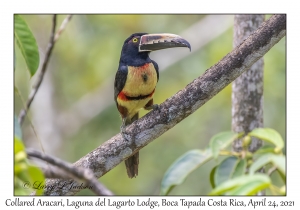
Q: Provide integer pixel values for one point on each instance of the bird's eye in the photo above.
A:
(134, 40)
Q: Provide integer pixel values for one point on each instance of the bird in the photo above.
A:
(136, 79)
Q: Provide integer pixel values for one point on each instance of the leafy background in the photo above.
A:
(87, 55)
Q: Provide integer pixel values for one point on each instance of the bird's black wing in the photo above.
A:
(120, 80)
(156, 69)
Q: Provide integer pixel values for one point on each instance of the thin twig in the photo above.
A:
(62, 27)
(35, 88)
(41, 74)
(78, 173)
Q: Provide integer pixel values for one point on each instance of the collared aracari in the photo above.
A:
(136, 80)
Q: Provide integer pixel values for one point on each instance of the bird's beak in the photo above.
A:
(152, 42)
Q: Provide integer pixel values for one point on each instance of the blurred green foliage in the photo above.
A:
(239, 173)
(26, 176)
(87, 54)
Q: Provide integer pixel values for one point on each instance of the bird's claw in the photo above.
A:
(152, 107)
(155, 107)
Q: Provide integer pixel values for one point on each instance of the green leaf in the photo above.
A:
(20, 191)
(250, 188)
(20, 156)
(27, 44)
(24, 176)
(19, 146)
(276, 160)
(19, 167)
(279, 162)
(212, 177)
(221, 141)
(225, 169)
(182, 167)
(240, 168)
(265, 149)
(36, 177)
(282, 176)
(17, 128)
(268, 135)
(19, 188)
(239, 181)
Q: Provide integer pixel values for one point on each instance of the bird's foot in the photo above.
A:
(152, 107)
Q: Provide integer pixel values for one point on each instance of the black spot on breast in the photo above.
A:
(145, 77)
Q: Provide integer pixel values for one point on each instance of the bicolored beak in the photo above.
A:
(152, 42)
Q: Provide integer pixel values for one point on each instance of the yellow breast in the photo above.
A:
(140, 80)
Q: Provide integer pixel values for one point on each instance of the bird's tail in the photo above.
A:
(132, 163)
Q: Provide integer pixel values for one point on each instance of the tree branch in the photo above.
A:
(52, 172)
(181, 105)
(67, 170)
(35, 88)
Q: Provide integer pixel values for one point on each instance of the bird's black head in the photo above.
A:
(130, 54)
(136, 48)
